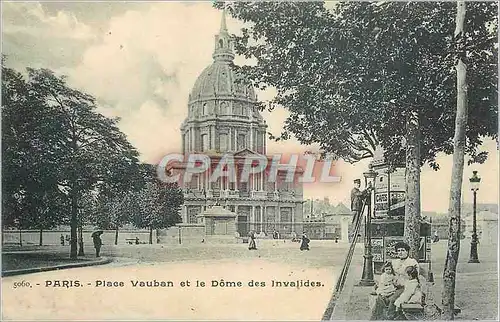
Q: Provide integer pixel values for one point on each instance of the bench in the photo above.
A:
(9, 243)
(132, 241)
(413, 311)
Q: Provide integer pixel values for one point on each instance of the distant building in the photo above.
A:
(486, 227)
(330, 225)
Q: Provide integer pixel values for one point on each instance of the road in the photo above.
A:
(231, 274)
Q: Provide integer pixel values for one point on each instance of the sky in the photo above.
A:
(141, 59)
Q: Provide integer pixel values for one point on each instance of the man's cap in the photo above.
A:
(357, 181)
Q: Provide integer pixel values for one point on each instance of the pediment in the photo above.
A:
(247, 152)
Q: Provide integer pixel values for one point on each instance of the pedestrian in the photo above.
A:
(96, 238)
(304, 245)
(436, 237)
(252, 245)
(62, 240)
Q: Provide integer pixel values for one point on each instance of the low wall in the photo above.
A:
(53, 237)
(189, 234)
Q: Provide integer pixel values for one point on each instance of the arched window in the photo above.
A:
(204, 142)
(221, 43)
(223, 108)
(241, 141)
(223, 142)
(204, 111)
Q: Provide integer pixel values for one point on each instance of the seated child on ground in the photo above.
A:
(412, 292)
(387, 284)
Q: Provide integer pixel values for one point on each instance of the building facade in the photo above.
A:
(223, 119)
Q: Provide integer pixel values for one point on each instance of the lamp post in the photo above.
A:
(474, 181)
(367, 276)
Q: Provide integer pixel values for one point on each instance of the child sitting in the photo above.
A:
(385, 292)
(387, 284)
(412, 292)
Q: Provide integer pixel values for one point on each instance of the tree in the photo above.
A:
(45, 211)
(369, 74)
(160, 205)
(114, 213)
(448, 298)
(87, 143)
(30, 192)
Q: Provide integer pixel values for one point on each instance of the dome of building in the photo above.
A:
(222, 107)
(220, 80)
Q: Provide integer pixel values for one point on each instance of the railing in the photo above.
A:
(244, 194)
(339, 286)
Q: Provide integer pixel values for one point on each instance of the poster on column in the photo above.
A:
(196, 160)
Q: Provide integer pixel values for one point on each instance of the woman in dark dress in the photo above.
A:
(252, 245)
(304, 245)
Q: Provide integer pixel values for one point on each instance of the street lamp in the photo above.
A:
(367, 276)
(474, 182)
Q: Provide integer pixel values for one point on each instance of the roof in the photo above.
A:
(341, 209)
(220, 79)
(483, 215)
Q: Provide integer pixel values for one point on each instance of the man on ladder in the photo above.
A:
(357, 197)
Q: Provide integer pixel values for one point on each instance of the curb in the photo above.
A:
(14, 272)
(335, 309)
(339, 310)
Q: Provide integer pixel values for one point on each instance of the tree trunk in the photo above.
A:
(151, 235)
(116, 236)
(73, 224)
(412, 177)
(81, 252)
(40, 240)
(450, 268)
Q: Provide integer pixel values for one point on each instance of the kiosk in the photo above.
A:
(387, 225)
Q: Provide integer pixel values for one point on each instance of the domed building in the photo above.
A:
(223, 119)
(222, 114)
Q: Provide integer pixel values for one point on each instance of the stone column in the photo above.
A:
(264, 144)
(261, 219)
(235, 141)
(212, 131)
(183, 135)
(193, 138)
(252, 218)
(251, 137)
(184, 214)
(264, 216)
(293, 219)
(344, 229)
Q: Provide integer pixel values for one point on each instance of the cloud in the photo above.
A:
(30, 18)
(31, 37)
